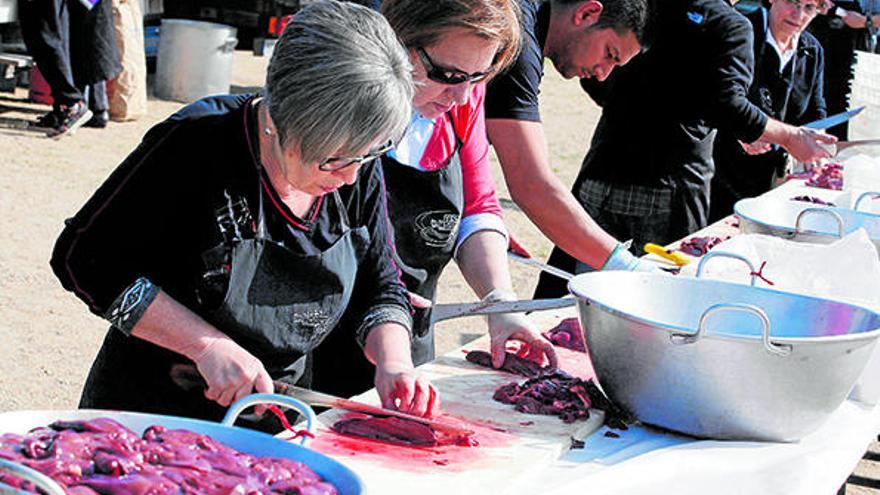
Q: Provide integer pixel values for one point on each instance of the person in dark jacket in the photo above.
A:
(646, 176)
(235, 238)
(788, 85)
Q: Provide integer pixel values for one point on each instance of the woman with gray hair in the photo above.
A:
(235, 237)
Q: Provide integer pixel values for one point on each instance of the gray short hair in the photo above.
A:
(338, 80)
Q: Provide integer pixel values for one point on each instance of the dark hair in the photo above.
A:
(421, 23)
(622, 16)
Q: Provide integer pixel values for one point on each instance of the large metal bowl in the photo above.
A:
(244, 440)
(805, 222)
(722, 360)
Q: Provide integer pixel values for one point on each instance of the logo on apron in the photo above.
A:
(311, 322)
(437, 228)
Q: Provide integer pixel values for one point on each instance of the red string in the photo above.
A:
(284, 422)
(760, 273)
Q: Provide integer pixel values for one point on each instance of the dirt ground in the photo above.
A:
(48, 338)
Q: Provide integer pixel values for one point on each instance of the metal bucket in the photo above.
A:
(249, 441)
(804, 222)
(722, 360)
(194, 59)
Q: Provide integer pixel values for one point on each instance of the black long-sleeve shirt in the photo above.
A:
(170, 211)
(660, 110)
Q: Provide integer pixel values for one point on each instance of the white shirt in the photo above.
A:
(785, 56)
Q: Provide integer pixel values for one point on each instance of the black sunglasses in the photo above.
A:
(336, 163)
(443, 75)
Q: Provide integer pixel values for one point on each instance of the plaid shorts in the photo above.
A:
(625, 199)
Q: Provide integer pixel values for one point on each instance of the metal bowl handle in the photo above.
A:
(280, 400)
(771, 347)
(43, 482)
(863, 196)
(712, 254)
(820, 211)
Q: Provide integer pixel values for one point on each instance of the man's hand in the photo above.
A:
(400, 387)
(757, 148)
(805, 145)
(513, 326)
(854, 20)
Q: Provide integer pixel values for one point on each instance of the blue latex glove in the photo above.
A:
(622, 259)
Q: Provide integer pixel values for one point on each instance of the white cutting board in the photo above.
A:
(512, 446)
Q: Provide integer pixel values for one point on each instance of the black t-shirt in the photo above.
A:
(169, 212)
(514, 94)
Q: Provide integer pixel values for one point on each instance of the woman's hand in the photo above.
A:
(400, 387)
(513, 326)
(231, 372)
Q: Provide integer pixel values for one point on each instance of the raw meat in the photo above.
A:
(103, 456)
(827, 176)
(567, 334)
(812, 199)
(399, 432)
(512, 363)
(698, 246)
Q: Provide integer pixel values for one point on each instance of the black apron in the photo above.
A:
(425, 211)
(279, 305)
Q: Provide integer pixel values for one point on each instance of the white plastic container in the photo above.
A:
(194, 59)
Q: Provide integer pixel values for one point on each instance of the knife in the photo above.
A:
(680, 259)
(850, 144)
(326, 400)
(441, 312)
(833, 120)
(187, 377)
(552, 270)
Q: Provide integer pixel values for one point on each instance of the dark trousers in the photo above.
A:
(46, 32)
(96, 97)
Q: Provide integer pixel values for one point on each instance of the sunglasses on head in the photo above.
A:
(443, 75)
(336, 163)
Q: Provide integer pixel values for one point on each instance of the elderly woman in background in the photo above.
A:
(239, 232)
(787, 85)
(441, 195)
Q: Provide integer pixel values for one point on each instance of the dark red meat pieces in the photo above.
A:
(812, 199)
(698, 246)
(102, 456)
(827, 176)
(512, 363)
(554, 394)
(399, 431)
(567, 334)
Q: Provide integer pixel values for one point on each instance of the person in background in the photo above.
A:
(843, 28)
(240, 231)
(646, 176)
(787, 85)
(582, 38)
(441, 196)
(74, 47)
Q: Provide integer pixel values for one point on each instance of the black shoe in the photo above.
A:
(99, 120)
(72, 117)
(48, 120)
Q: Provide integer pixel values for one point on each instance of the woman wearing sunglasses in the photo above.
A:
(234, 238)
(441, 197)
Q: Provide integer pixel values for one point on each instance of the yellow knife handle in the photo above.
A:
(680, 259)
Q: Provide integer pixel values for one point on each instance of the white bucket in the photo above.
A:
(194, 59)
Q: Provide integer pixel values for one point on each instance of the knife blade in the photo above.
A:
(552, 270)
(187, 377)
(315, 398)
(842, 145)
(833, 120)
(441, 312)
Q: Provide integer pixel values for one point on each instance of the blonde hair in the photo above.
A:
(421, 23)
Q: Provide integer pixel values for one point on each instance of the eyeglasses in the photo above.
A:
(808, 8)
(336, 163)
(443, 75)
